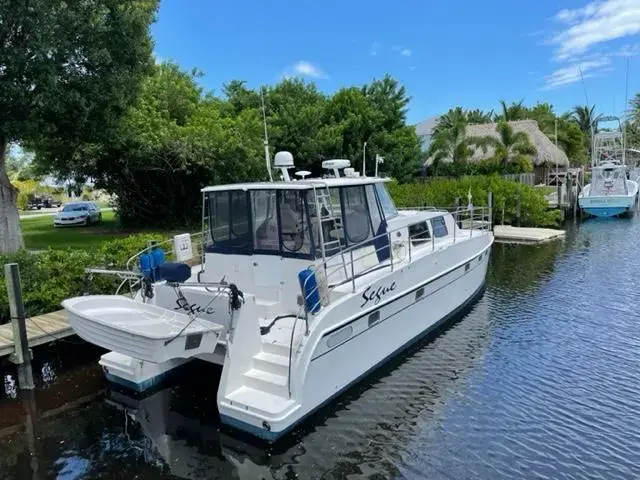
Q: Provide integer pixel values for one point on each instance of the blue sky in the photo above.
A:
(446, 52)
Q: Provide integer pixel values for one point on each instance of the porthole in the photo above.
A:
(467, 267)
(419, 293)
(339, 337)
(374, 317)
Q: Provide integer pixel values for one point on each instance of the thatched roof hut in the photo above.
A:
(546, 151)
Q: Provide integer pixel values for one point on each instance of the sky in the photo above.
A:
(447, 53)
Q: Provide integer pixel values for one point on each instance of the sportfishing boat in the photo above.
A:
(610, 192)
(302, 287)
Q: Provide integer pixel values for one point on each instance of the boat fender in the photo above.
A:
(146, 264)
(158, 258)
(309, 286)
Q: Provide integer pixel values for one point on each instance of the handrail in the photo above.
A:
(477, 216)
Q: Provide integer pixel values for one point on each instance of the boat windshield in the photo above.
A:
(261, 222)
(285, 222)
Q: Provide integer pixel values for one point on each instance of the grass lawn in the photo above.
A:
(39, 233)
(547, 189)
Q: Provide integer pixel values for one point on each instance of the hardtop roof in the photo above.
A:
(307, 184)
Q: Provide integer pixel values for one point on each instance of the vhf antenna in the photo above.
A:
(267, 158)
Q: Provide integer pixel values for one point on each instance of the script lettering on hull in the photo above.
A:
(193, 308)
(371, 295)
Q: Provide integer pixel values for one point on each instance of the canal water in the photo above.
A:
(540, 380)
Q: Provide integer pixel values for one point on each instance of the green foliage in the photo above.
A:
(176, 139)
(53, 275)
(443, 192)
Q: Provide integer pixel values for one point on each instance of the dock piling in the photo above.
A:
(21, 356)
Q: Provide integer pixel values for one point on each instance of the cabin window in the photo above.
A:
(230, 223)
(386, 202)
(374, 211)
(294, 225)
(419, 233)
(439, 227)
(265, 221)
(356, 214)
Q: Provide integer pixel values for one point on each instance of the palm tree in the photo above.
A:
(450, 138)
(510, 146)
(479, 116)
(585, 117)
(515, 111)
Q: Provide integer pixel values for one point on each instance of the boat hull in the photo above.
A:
(607, 206)
(403, 322)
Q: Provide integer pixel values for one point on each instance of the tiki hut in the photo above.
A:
(547, 156)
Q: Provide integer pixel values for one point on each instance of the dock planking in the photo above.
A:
(41, 329)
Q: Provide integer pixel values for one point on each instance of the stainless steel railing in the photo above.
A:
(474, 220)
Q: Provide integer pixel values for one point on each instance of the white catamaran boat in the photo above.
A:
(610, 192)
(303, 287)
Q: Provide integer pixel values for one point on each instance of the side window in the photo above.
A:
(386, 202)
(265, 220)
(439, 227)
(356, 216)
(374, 212)
(419, 233)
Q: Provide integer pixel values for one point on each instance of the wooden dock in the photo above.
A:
(523, 235)
(40, 330)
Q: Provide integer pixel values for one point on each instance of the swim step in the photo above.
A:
(259, 401)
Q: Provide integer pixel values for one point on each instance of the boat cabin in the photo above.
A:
(305, 220)
(609, 179)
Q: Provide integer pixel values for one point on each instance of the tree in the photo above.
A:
(479, 116)
(68, 70)
(585, 117)
(515, 111)
(450, 141)
(510, 146)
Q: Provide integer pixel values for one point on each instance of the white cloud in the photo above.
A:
(406, 52)
(375, 47)
(412, 68)
(571, 74)
(302, 68)
(593, 24)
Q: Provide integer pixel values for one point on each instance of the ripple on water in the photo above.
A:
(539, 380)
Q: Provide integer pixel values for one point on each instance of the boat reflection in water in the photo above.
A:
(365, 431)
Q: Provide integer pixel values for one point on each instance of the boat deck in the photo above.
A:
(41, 329)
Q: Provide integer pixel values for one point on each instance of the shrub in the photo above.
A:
(534, 208)
(53, 275)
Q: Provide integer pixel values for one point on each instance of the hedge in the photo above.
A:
(534, 208)
(51, 276)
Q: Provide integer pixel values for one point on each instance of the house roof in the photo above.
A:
(546, 151)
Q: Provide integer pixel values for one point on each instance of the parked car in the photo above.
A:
(78, 213)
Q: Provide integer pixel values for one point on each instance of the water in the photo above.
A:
(540, 380)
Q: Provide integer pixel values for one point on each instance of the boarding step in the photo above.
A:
(268, 308)
(275, 348)
(258, 401)
(272, 363)
(267, 382)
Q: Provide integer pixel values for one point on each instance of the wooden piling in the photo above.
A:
(21, 356)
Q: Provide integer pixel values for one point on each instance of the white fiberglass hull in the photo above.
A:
(139, 330)
(608, 205)
(332, 361)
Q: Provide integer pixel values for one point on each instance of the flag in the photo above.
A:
(379, 159)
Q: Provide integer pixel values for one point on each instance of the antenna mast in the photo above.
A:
(267, 158)
(624, 121)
